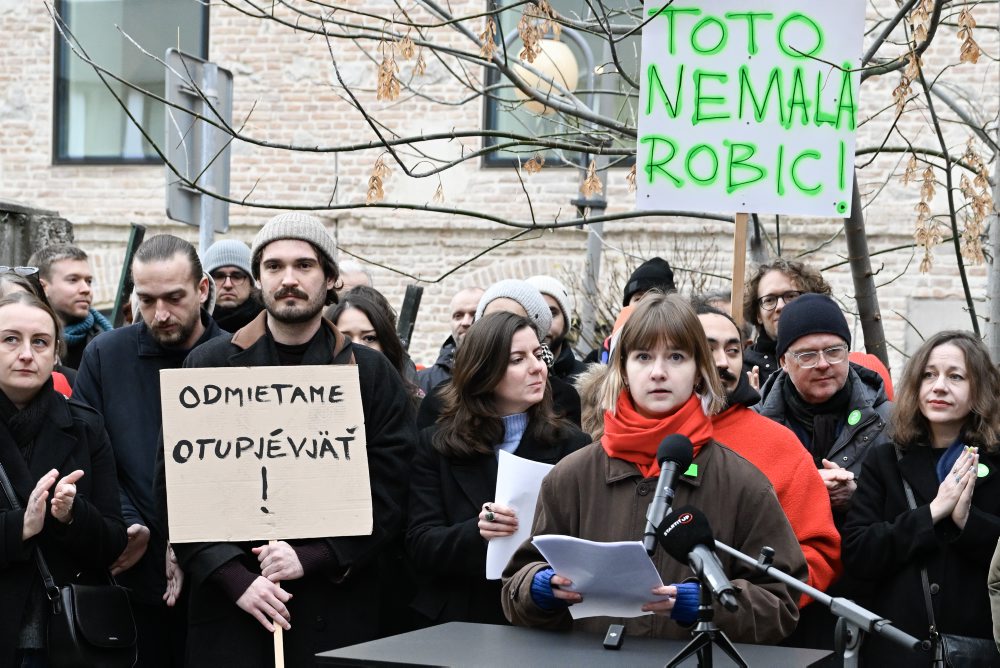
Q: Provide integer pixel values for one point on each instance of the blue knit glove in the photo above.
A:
(541, 591)
(685, 611)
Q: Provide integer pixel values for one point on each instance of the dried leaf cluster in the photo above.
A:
(592, 184)
(388, 83)
(928, 233)
(488, 39)
(535, 165)
(980, 205)
(380, 172)
(537, 19)
(438, 194)
(969, 52)
(630, 179)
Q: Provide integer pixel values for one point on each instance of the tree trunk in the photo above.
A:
(864, 280)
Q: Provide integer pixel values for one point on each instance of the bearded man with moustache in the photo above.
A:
(776, 451)
(120, 377)
(325, 591)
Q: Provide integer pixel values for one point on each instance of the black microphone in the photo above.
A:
(687, 537)
(674, 455)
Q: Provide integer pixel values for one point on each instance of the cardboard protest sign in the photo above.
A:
(265, 453)
(749, 106)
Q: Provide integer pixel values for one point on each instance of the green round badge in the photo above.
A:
(982, 471)
(854, 417)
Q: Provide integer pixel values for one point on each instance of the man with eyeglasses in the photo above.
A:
(770, 288)
(237, 300)
(837, 409)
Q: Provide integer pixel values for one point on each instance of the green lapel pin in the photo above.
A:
(854, 417)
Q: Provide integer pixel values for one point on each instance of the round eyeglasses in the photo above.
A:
(768, 302)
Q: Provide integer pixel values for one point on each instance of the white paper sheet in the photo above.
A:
(614, 578)
(518, 482)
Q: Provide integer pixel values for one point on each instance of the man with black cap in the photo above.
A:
(327, 589)
(837, 409)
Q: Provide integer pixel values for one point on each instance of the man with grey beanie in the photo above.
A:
(237, 300)
(328, 589)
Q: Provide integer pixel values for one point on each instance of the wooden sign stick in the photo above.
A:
(739, 265)
(279, 638)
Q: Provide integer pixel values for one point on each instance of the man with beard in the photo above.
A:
(65, 274)
(776, 451)
(120, 377)
(326, 590)
(566, 366)
(237, 300)
(463, 311)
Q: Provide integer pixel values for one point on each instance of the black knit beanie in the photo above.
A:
(655, 273)
(810, 314)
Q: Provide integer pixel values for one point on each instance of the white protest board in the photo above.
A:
(265, 453)
(749, 106)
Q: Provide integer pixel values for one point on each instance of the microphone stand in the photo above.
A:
(854, 620)
(706, 634)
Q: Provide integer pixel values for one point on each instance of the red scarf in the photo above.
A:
(634, 438)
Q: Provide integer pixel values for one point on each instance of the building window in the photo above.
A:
(505, 111)
(90, 125)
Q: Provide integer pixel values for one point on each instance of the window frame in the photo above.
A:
(60, 51)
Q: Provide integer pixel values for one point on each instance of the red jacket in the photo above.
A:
(776, 451)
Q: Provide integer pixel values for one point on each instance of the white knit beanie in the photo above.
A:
(527, 296)
(294, 225)
(227, 253)
(554, 288)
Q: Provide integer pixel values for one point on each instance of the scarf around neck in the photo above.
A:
(630, 436)
(822, 422)
(77, 332)
(24, 424)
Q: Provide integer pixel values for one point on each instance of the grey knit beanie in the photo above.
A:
(527, 296)
(227, 253)
(294, 225)
(554, 288)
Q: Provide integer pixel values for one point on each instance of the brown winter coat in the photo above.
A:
(593, 496)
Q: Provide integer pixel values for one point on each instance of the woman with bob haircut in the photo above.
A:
(497, 400)
(946, 429)
(58, 459)
(662, 380)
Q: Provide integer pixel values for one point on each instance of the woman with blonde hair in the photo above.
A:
(925, 519)
(661, 381)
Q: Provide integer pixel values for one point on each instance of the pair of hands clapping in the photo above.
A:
(61, 506)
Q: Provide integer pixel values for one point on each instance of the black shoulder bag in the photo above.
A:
(91, 626)
(951, 651)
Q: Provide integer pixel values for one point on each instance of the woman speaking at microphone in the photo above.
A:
(661, 381)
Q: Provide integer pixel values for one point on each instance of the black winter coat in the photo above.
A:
(338, 604)
(72, 438)
(120, 378)
(886, 543)
(449, 555)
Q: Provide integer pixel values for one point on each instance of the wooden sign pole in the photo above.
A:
(279, 638)
(739, 265)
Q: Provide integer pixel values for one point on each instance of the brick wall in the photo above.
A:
(290, 83)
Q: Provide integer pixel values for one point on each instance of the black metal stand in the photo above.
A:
(706, 634)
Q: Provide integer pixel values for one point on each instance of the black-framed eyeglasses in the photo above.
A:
(237, 278)
(20, 271)
(807, 359)
(768, 302)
